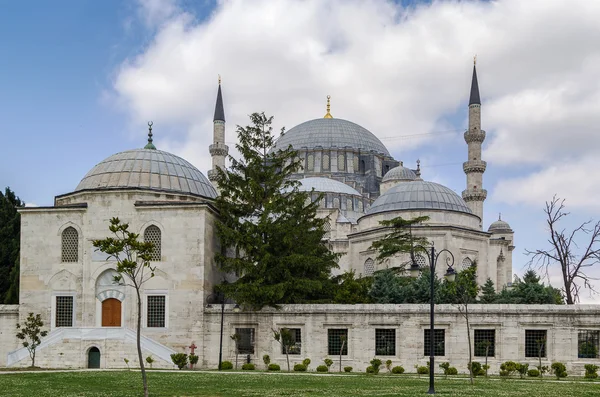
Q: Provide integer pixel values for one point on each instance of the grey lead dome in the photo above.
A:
(328, 133)
(419, 195)
(399, 173)
(147, 169)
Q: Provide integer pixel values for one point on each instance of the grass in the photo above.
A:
(213, 384)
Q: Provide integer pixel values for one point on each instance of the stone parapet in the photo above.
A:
(474, 166)
(474, 195)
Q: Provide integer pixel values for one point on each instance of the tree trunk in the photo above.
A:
(139, 345)
(341, 350)
(469, 341)
(32, 358)
(287, 356)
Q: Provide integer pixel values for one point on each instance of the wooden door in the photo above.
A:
(94, 358)
(111, 313)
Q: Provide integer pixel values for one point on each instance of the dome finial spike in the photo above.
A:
(150, 145)
(475, 59)
(499, 216)
(328, 115)
(219, 79)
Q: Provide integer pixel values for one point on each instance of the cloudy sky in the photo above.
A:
(80, 79)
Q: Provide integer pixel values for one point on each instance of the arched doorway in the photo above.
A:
(111, 313)
(94, 358)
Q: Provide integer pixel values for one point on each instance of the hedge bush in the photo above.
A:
(399, 369)
(226, 365)
(370, 369)
(347, 369)
(452, 371)
(300, 368)
(322, 368)
(274, 367)
(179, 359)
(248, 367)
(422, 370)
(534, 373)
(591, 371)
(559, 370)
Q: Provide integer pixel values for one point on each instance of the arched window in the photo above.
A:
(355, 163)
(336, 202)
(152, 235)
(326, 162)
(341, 162)
(467, 263)
(369, 267)
(327, 230)
(311, 162)
(349, 206)
(70, 245)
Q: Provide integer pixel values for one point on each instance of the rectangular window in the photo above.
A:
(485, 339)
(245, 341)
(296, 335)
(535, 342)
(337, 337)
(588, 342)
(385, 342)
(156, 311)
(64, 311)
(439, 342)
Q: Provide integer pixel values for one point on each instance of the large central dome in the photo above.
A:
(328, 133)
(147, 169)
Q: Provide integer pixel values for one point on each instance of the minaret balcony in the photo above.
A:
(474, 195)
(474, 135)
(474, 166)
(212, 175)
(218, 149)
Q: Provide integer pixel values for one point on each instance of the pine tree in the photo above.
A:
(280, 256)
(488, 292)
(10, 230)
(400, 239)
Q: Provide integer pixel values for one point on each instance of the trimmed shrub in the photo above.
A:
(504, 373)
(534, 373)
(559, 370)
(347, 369)
(375, 363)
(322, 368)
(370, 369)
(399, 369)
(476, 368)
(248, 367)
(179, 359)
(452, 371)
(226, 365)
(274, 367)
(266, 360)
(328, 362)
(422, 370)
(193, 359)
(508, 368)
(300, 368)
(306, 362)
(591, 371)
(522, 369)
(388, 365)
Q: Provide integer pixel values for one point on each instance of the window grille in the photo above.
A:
(439, 342)
(360, 206)
(156, 311)
(70, 245)
(335, 338)
(245, 343)
(341, 162)
(535, 342)
(311, 162)
(326, 162)
(369, 267)
(349, 206)
(588, 342)
(467, 263)
(420, 259)
(64, 311)
(385, 342)
(296, 348)
(482, 338)
(355, 164)
(336, 202)
(152, 235)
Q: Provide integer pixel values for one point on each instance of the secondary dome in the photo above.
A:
(499, 226)
(147, 169)
(418, 195)
(326, 185)
(328, 133)
(399, 173)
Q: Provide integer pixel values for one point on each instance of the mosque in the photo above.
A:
(170, 203)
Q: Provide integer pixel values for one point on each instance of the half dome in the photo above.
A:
(419, 195)
(147, 169)
(328, 133)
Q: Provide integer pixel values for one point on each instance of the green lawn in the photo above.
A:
(214, 384)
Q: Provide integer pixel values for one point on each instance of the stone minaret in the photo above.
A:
(474, 167)
(218, 150)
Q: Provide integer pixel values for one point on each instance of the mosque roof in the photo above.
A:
(499, 226)
(147, 169)
(417, 195)
(326, 185)
(399, 173)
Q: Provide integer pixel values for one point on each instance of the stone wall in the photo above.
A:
(9, 315)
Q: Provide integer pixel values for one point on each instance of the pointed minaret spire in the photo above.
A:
(328, 114)
(474, 98)
(219, 111)
(418, 171)
(150, 145)
(474, 195)
(218, 150)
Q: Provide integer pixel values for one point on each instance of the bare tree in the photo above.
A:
(574, 260)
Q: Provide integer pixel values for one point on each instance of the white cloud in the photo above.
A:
(395, 71)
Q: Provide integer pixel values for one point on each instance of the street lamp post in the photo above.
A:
(450, 275)
(219, 297)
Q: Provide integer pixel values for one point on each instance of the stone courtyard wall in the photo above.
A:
(9, 316)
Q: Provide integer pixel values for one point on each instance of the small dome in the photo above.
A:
(328, 133)
(326, 185)
(399, 173)
(147, 169)
(499, 226)
(417, 195)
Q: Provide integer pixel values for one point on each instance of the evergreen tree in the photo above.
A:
(347, 289)
(10, 234)
(280, 256)
(530, 291)
(488, 292)
(400, 239)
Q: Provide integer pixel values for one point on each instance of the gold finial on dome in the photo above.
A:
(328, 115)
(475, 59)
(219, 79)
